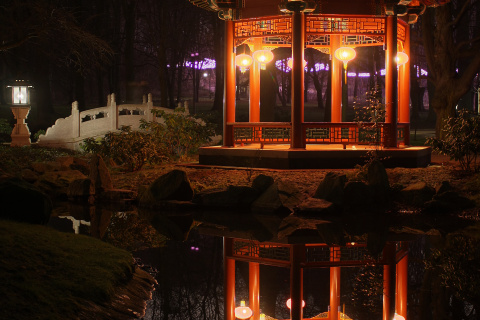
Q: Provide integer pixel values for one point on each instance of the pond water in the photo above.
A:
(189, 270)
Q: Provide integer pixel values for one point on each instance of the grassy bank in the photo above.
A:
(47, 274)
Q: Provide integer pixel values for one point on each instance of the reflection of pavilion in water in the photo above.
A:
(300, 244)
(298, 257)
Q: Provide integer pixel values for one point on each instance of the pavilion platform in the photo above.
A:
(281, 156)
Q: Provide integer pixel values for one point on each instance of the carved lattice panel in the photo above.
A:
(343, 254)
(401, 32)
(339, 25)
(263, 27)
(278, 41)
(260, 250)
(357, 40)
(318, 40)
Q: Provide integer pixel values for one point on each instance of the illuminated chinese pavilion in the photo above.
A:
(333, 27)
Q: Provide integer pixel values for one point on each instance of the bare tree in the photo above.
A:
(451, 36)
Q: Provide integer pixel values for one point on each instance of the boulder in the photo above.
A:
(377, 176)
(331, 188)
(447, 202)
(173, 185)
(233, 197)
(417, 194)
(29, 175)
(80, 189)
(280, 199)
(99, 174)
(23, 202)
(358, 194)
(262, 182)
(443, 187)
(56, 183)
(312, 207)
(377, 179)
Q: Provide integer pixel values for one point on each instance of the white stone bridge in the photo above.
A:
(70, 132)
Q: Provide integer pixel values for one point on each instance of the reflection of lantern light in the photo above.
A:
(243, 61)
(345, 54)
(401, 58)
(398, 317)
(290, 63)
(289, 304)
(243, 312)
(263, 57)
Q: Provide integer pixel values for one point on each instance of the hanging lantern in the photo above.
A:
(401, 58)
(290, 63)
(243, 312)
(345, 54)
(289, 304)
(243, 61)
(263, 57)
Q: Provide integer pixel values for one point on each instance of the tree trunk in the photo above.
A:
(219, 30)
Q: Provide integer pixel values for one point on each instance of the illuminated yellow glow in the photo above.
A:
(263, 57)
(345, 54)
(401, 58)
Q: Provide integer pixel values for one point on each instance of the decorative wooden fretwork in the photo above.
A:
(323, 24)
(255, 250)
(267, 27)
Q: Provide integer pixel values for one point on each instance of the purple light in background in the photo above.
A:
(282, 65)
(201, 64)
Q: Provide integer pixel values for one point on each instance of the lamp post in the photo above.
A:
(20, 109)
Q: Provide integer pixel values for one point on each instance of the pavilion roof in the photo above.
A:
(245, 9)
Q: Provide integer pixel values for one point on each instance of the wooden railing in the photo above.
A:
(345, 133)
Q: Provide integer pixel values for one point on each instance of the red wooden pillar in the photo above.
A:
(337, 65)
(402, 286)
(334, 284)
(298, 41)
(297, 257)
(389, 282)
(391, 76)
(255, 84)
(404, 83)
(404, 87)
(254, 289)
(229, 279)
(229, 89)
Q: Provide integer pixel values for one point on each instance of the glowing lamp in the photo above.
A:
(289, 304)
(401, 58)
(243, 61)
(345, 54)
(243, 312)
(290, 63)
(263, 57)
(398, 317)
(20, 92)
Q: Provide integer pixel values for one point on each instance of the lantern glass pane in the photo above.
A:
(19, 95)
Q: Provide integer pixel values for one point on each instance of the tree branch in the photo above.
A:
(459, 46)
(460, 14)
(428, 42)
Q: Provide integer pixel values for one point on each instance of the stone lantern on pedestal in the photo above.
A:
(20, 108)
